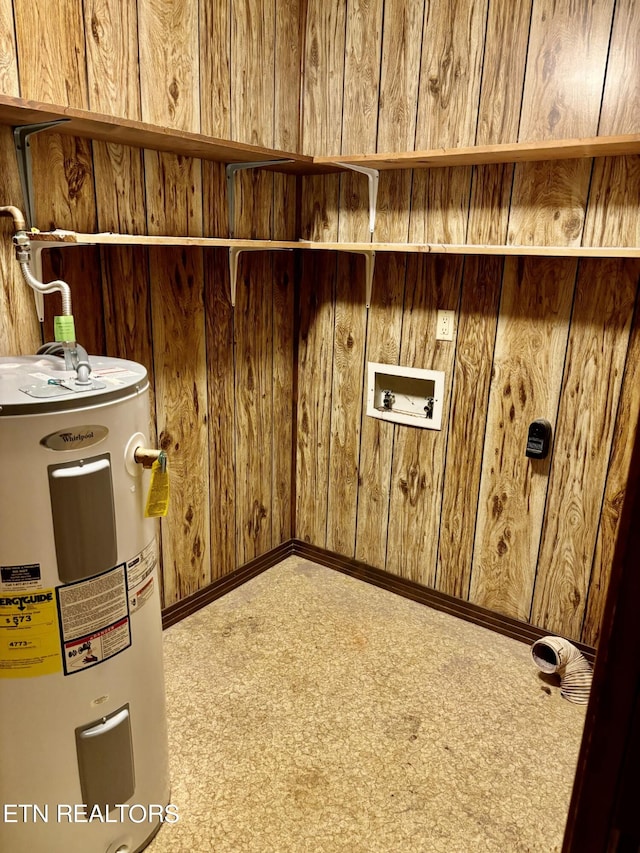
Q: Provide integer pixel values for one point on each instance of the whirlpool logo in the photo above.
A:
(70, 439)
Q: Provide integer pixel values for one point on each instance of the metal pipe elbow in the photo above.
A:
(19, 222)
(51, 287)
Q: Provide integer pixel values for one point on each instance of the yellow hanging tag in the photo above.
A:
(158, 495)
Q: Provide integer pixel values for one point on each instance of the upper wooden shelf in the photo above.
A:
(66, 238)
(478, 155)
(106, 128)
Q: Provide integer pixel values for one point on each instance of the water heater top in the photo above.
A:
(38, 384)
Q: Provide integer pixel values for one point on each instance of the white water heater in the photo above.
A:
(83, 738)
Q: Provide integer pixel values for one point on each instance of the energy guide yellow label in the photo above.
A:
(158, 495)
(29, 634)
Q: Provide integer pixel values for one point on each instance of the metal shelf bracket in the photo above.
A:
(21, 136)
(234, 252)
(370, 261)
(373, 176)
(231, 170)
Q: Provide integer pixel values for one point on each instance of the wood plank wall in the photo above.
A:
(222, 380)
(463, 510)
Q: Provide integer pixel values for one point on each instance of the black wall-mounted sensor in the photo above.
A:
(539, 439)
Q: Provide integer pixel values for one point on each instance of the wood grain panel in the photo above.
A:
(612, 215)
(169, 63)
(174, 194)
(595, 361)
(489, 205)
(440, 205)
(452, 49)
(529, 354)
(323, 77)
(397, 113)
(119, 187)
(254, 204)
(315, 368)
(498, 117)
(8, 54)
(548, 203)
(361, 76)
(51, 53)
(392, 217)
(19, 328)
(419, 454)
(399, 74)
(568, 44)
(284, 226)
(181, 402)
(254, 404)
(288, 75)
(346, 404)
(79, 266)
(63, 186)
(376, 441)
(620, 111)
(219, 319)
(127, 308)
(252, 83)
(215, 68)
(283, 397)
(214, 200)
(566, 62)
(615, 185)
(112, 57)
(168, 37)
(617, 479)
(477, 322)
(320, 196)
(448, 97)
(286, 114)
(64, 191)
(360, 111)
(505, 55)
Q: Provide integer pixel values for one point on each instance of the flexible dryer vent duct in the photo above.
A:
(555, 654)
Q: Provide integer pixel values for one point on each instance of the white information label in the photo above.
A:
(94, 618)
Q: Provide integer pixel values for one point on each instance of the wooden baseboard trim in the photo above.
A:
(514, 628)
(505, 625)
(181, 609)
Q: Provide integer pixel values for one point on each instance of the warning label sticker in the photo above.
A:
(20, 577)
(94, 619)
(140, 575)
(29, 634)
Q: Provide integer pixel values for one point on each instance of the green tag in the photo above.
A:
(64, 328)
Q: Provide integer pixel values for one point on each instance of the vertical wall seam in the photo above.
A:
(606, 66)
(484, 435)
(395, 428)
(461, 281)
(635, 317)
(553, 443)
(303, 12)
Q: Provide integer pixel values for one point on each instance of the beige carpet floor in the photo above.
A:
(309, 711)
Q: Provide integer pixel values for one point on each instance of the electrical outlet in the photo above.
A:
(444, 327)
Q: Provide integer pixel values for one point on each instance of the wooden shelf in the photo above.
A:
(516, 152)
(69, 238)
(105, 128)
